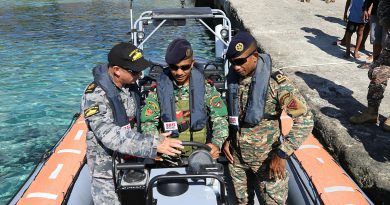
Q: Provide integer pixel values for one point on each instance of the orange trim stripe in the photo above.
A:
(331, 182)
(56, 176)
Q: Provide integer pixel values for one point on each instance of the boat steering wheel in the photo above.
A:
(196, 144)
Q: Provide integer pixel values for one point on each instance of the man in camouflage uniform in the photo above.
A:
(181, 71)
(106, 131)
(378, 73)
(256, 152)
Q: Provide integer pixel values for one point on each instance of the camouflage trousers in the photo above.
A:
(254, 176)
(103, 192)
(379, 77)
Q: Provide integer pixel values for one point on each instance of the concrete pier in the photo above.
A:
(299, 37)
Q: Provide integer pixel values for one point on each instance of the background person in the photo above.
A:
(378, 73)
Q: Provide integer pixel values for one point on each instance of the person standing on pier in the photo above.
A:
(256, 99)
(378, 73)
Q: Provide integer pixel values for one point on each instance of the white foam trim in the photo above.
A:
(308, 146)
(74, 151)
(42, 195)
(320, 160)
(56, 171)
(78, 135)
(338, 188)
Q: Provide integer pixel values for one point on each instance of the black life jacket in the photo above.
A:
(198, 114)
(102, 79)
(256, 97)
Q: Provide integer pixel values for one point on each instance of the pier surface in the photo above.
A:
(299, 37)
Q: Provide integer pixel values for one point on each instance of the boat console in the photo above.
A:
(149, 182)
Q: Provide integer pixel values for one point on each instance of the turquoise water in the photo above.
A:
(47, 50)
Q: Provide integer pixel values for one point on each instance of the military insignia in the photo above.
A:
(239, 47)
(212, 99)
(295, 107)
(91, 111)
(135, 55)
(91, 87)
(153, 105)
(188, 52)
(279, 77)
(292, 104)
(284, 97)
(149, 112)
(218, 104)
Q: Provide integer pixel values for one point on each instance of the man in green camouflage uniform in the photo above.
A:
(110, 130)
(378, 73)
(256, 152)
(179, 56)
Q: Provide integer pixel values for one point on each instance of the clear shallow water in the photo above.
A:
(47, 50)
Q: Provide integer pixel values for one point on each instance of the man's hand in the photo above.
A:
(366, 16)
(227, 151)
(214, 150)
(277, 168)
(169, 146)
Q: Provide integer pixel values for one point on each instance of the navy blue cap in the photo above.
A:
(178, 50)
(239, 44)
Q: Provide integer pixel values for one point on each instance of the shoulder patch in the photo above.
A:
(279, 77)
(91, 111)
(91, 87)
(218, 104)
(295, 107)
(152, 104)
(212, 99)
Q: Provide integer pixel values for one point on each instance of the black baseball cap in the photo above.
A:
(241, 42)
(128, 56)
(178, 50)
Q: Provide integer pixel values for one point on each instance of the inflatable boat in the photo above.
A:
(62, 177)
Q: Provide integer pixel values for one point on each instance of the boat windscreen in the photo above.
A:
(182, 13)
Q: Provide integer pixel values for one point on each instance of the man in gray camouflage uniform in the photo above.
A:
(379, 73)
(109, 108)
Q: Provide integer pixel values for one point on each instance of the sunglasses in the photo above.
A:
(134, 73)
(240, 61)
(183, 67)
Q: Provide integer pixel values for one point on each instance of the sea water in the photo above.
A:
(47, 51)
